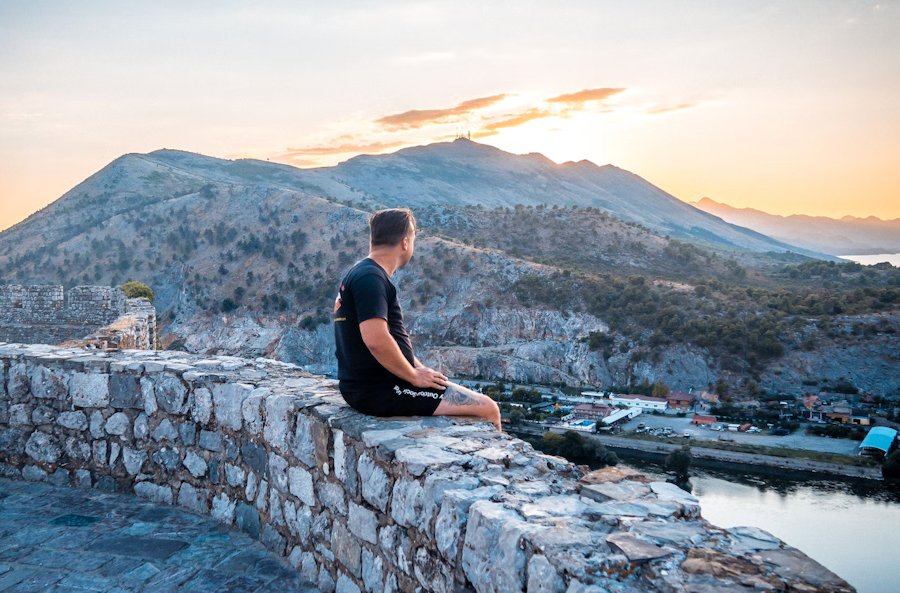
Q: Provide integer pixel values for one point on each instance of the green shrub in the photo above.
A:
(134, 289)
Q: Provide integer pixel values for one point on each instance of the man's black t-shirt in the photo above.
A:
(366, 292)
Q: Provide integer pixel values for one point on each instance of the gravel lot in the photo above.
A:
(797, 440)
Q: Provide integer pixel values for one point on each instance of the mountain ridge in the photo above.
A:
(836, 236)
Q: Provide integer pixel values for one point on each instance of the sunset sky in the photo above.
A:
(788, 106)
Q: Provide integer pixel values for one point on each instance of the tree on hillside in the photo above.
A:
(679, 461)
(134, 289)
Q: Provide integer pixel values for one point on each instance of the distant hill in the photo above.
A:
(525, 271)
(845, 236)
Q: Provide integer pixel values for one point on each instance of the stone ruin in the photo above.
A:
(99, 317)
(358, 503)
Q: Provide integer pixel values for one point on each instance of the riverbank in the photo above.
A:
(700, 454)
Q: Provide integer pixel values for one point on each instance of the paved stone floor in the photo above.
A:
(67, 540)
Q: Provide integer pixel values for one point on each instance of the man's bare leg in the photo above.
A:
(461, 401)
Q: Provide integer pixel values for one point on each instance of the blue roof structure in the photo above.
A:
(880, 437)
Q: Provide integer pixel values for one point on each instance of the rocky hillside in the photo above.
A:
(244, 257)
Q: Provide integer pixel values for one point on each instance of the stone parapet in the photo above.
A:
(360, 503)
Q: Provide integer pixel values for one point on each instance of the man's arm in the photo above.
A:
(384, 348)
(417, 363)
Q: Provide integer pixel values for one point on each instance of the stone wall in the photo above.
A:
(47, 314)
(360, 503)
(135, 329)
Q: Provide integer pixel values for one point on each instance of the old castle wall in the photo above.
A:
(91, 316)
(360, 503)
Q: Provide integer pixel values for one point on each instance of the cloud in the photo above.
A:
(513, 121)
(350, 147)
(670, 108)
(585, 95)
(417, 118)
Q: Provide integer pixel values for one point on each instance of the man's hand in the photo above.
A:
(426, 377)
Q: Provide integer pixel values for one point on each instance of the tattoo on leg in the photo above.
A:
(458, 397)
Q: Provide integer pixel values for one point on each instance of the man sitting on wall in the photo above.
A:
(377, 371)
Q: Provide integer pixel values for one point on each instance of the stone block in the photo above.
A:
(188, 432)
(118, 424)
(234, 475)
(167, 457)
(418, 458)
(201, 405)
(279, 413)
(34, 473)
(363, 523)
(125, 391)
(345, 585)
(154, 492)
(372, 571)
(278, 472)
(133, 459)
(12, 441)
(42, 447)
(262, 496)
(171, 393)
(251, 411)
(97, 422)
(346, 548)
(99, 452)
(77, 449)
(147, 392)
(43, 415)
(332, 496)
(255, 456)
(407, 500)
(90, 390)
(227, 401)
(376, 483)
(304, 446)
(195, 464)
(193, 498)
(19, 415)
(301, 485)
(19, 382)
(210, 440)
(492, 558)
(165, 432)
(542, 577)
(73, 420)
(625, 490)
(49, 383)
(141, 427)
(223, 508)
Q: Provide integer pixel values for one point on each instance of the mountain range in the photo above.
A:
(526, 270)
(849, 235)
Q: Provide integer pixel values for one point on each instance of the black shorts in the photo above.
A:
(390, 398)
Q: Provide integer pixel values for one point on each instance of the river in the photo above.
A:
(852, 528)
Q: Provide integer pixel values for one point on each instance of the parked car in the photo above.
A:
(687, 434)
(781, 432)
